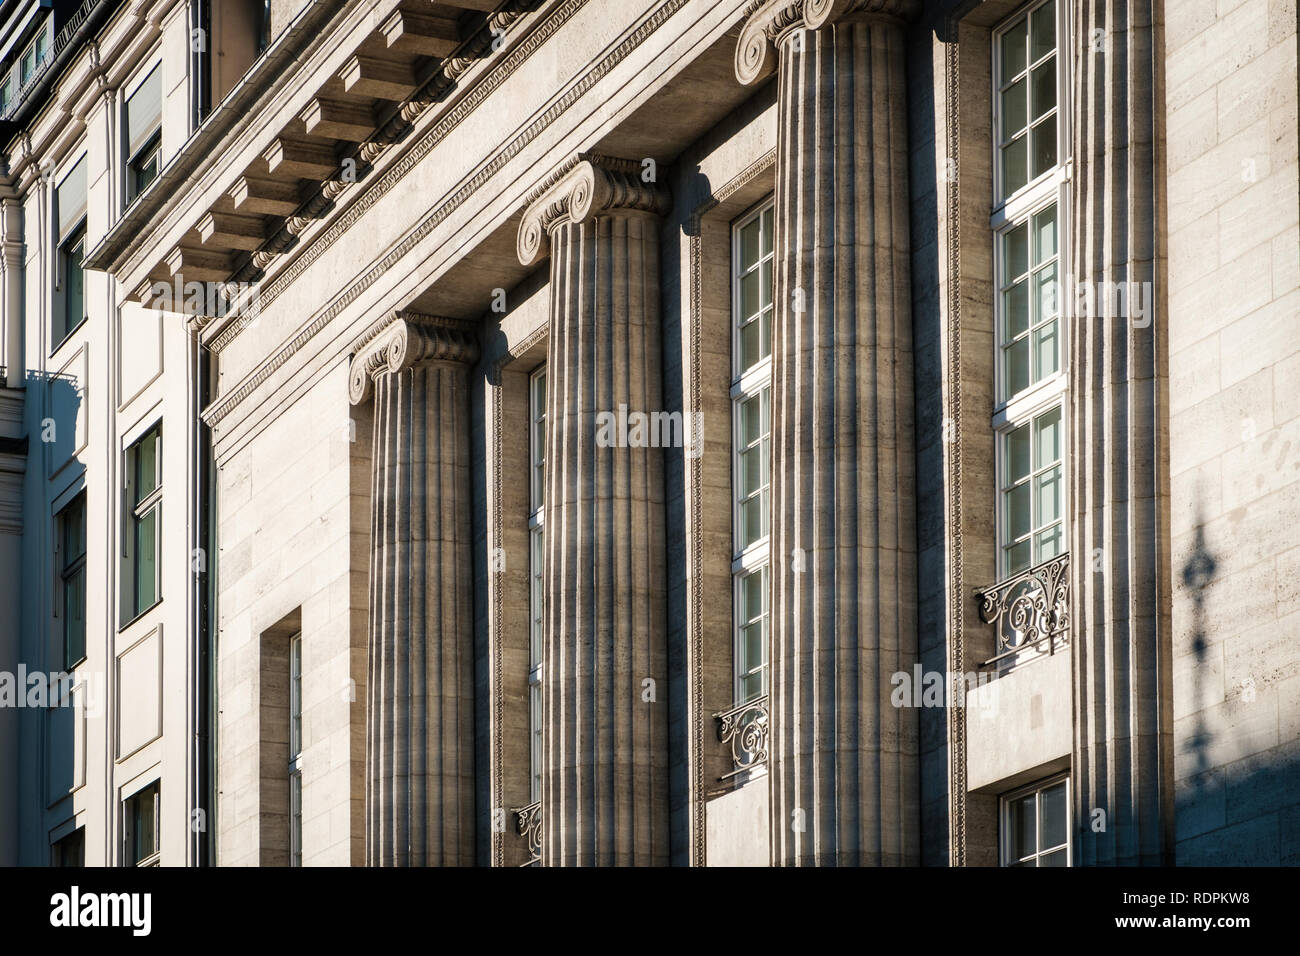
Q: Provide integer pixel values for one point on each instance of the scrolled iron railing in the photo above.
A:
(745, 728)
(1029, 608)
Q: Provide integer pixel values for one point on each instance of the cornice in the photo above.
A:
(769, 22)
(408, 339)
(451, 202)
(582, 189)
(436, 91)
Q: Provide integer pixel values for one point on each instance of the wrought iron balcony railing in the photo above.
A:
(528, 822)
(745, 727)
(1029, 608)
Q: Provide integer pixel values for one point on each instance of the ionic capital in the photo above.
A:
(582, 189)
(409, 339)
(770, 20)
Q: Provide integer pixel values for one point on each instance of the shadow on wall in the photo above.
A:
(54, 443)
(1243, 811)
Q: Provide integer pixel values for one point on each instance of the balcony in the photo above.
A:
(1029, 610)
(528, 823)
(745, 728)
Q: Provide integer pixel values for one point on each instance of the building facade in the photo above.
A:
(654, 432)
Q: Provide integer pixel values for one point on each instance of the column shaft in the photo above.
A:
(844, 769)
(420, 715)
(605, 789)
(1123, 754)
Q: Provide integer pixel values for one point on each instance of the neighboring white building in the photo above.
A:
(696, 432)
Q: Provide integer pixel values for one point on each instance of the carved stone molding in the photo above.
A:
(409, 340)
(770, 22)
(582, 189)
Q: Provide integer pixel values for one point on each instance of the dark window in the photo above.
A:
(141, 825)
(72, 574)
(144, 527)
(71, 850)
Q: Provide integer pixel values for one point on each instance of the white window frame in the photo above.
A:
(536, 553)
(1004, 820)
(295, 750)
(133, 514)
(746, 384)
(1052, 186)
(128, 827)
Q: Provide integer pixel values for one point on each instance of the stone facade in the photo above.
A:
(613, 407)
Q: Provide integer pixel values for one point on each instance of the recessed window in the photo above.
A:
(70, 850)
(751, 396)
(140, 828)
(72, 580)
(143, 135)
(1030, 252)
(1026, 101)
(70, 278)
(1036, 825)
(144, 523)
(295, 750)
(536, 565)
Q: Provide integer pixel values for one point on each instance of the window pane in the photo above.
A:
(1054, 815)
(768, 216)
(751, 521)
(749, 243)
(1017, 372)
(74, 306)
(74, 617)
(749, 294)
(752, 476)
(1047, 349)
(1017, 455)
(1044, 137)
(752, 686)
(1045, 234)
(751, 420)
(1046, 288)
(1015, 306)
(1013, 51)
(1043, 84)
(1043, 38)
(1050, 543)
(751, 346)
(765, 288)
(1015, 108)
(1052, 859)
(1049, 496)
(751, 644)
(1019, 557)
(145, 560)
(1015, 165)
(146, 467)
(1015, 253)
(1019, 512)
(1047, 438)
(1023, 827)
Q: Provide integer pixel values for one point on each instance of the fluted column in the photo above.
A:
(420, 707)
(605, 737)
(1123, 749)
(843, 763)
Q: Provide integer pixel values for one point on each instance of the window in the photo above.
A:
(70, 280)
(72, 579)
(144, 531)
(295, 750)
(143, 135)
(751, 396)
(1029, 224)
(70, 850)
(141, 827)
(536, 565)
(1036, 825)
(33, 57)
